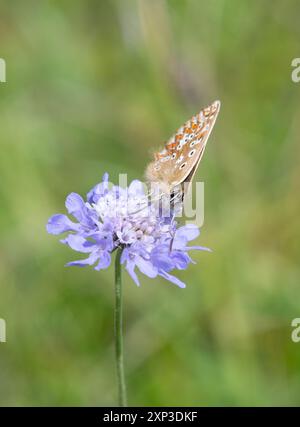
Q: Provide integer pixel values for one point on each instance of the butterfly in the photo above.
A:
(177, 163)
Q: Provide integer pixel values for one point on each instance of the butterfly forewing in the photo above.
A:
(179, 160)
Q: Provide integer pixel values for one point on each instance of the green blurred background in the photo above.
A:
(94, 86)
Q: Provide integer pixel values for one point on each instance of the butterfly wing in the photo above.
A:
(178, 161)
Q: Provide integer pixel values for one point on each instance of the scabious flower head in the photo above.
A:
(116, 217)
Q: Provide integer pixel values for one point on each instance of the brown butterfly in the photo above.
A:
(177, 163)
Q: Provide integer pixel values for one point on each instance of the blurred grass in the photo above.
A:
(95, 86)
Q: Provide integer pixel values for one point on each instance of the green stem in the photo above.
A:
(119, 332)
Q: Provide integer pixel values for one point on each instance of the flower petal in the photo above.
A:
(83, 262)
(126, 236)
(130, 266)
(146, 267)
(172, 279)
(99, 190)
(188, 231)
(180, 259)
(197, 248)
(75, 206)
(104, 261)
(79, 243)
(58, 224)
(160, 257)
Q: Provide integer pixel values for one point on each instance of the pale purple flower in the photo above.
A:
(115, 217)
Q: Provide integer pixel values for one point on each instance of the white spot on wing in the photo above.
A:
(180, 159)
(165, 159)
(197, 141)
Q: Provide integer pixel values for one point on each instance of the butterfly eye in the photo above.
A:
(191, 153)
(182, 166)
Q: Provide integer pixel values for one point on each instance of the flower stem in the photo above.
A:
(118, 331)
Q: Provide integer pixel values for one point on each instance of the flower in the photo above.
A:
(115, 217)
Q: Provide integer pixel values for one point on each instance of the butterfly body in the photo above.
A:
(177, 163)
